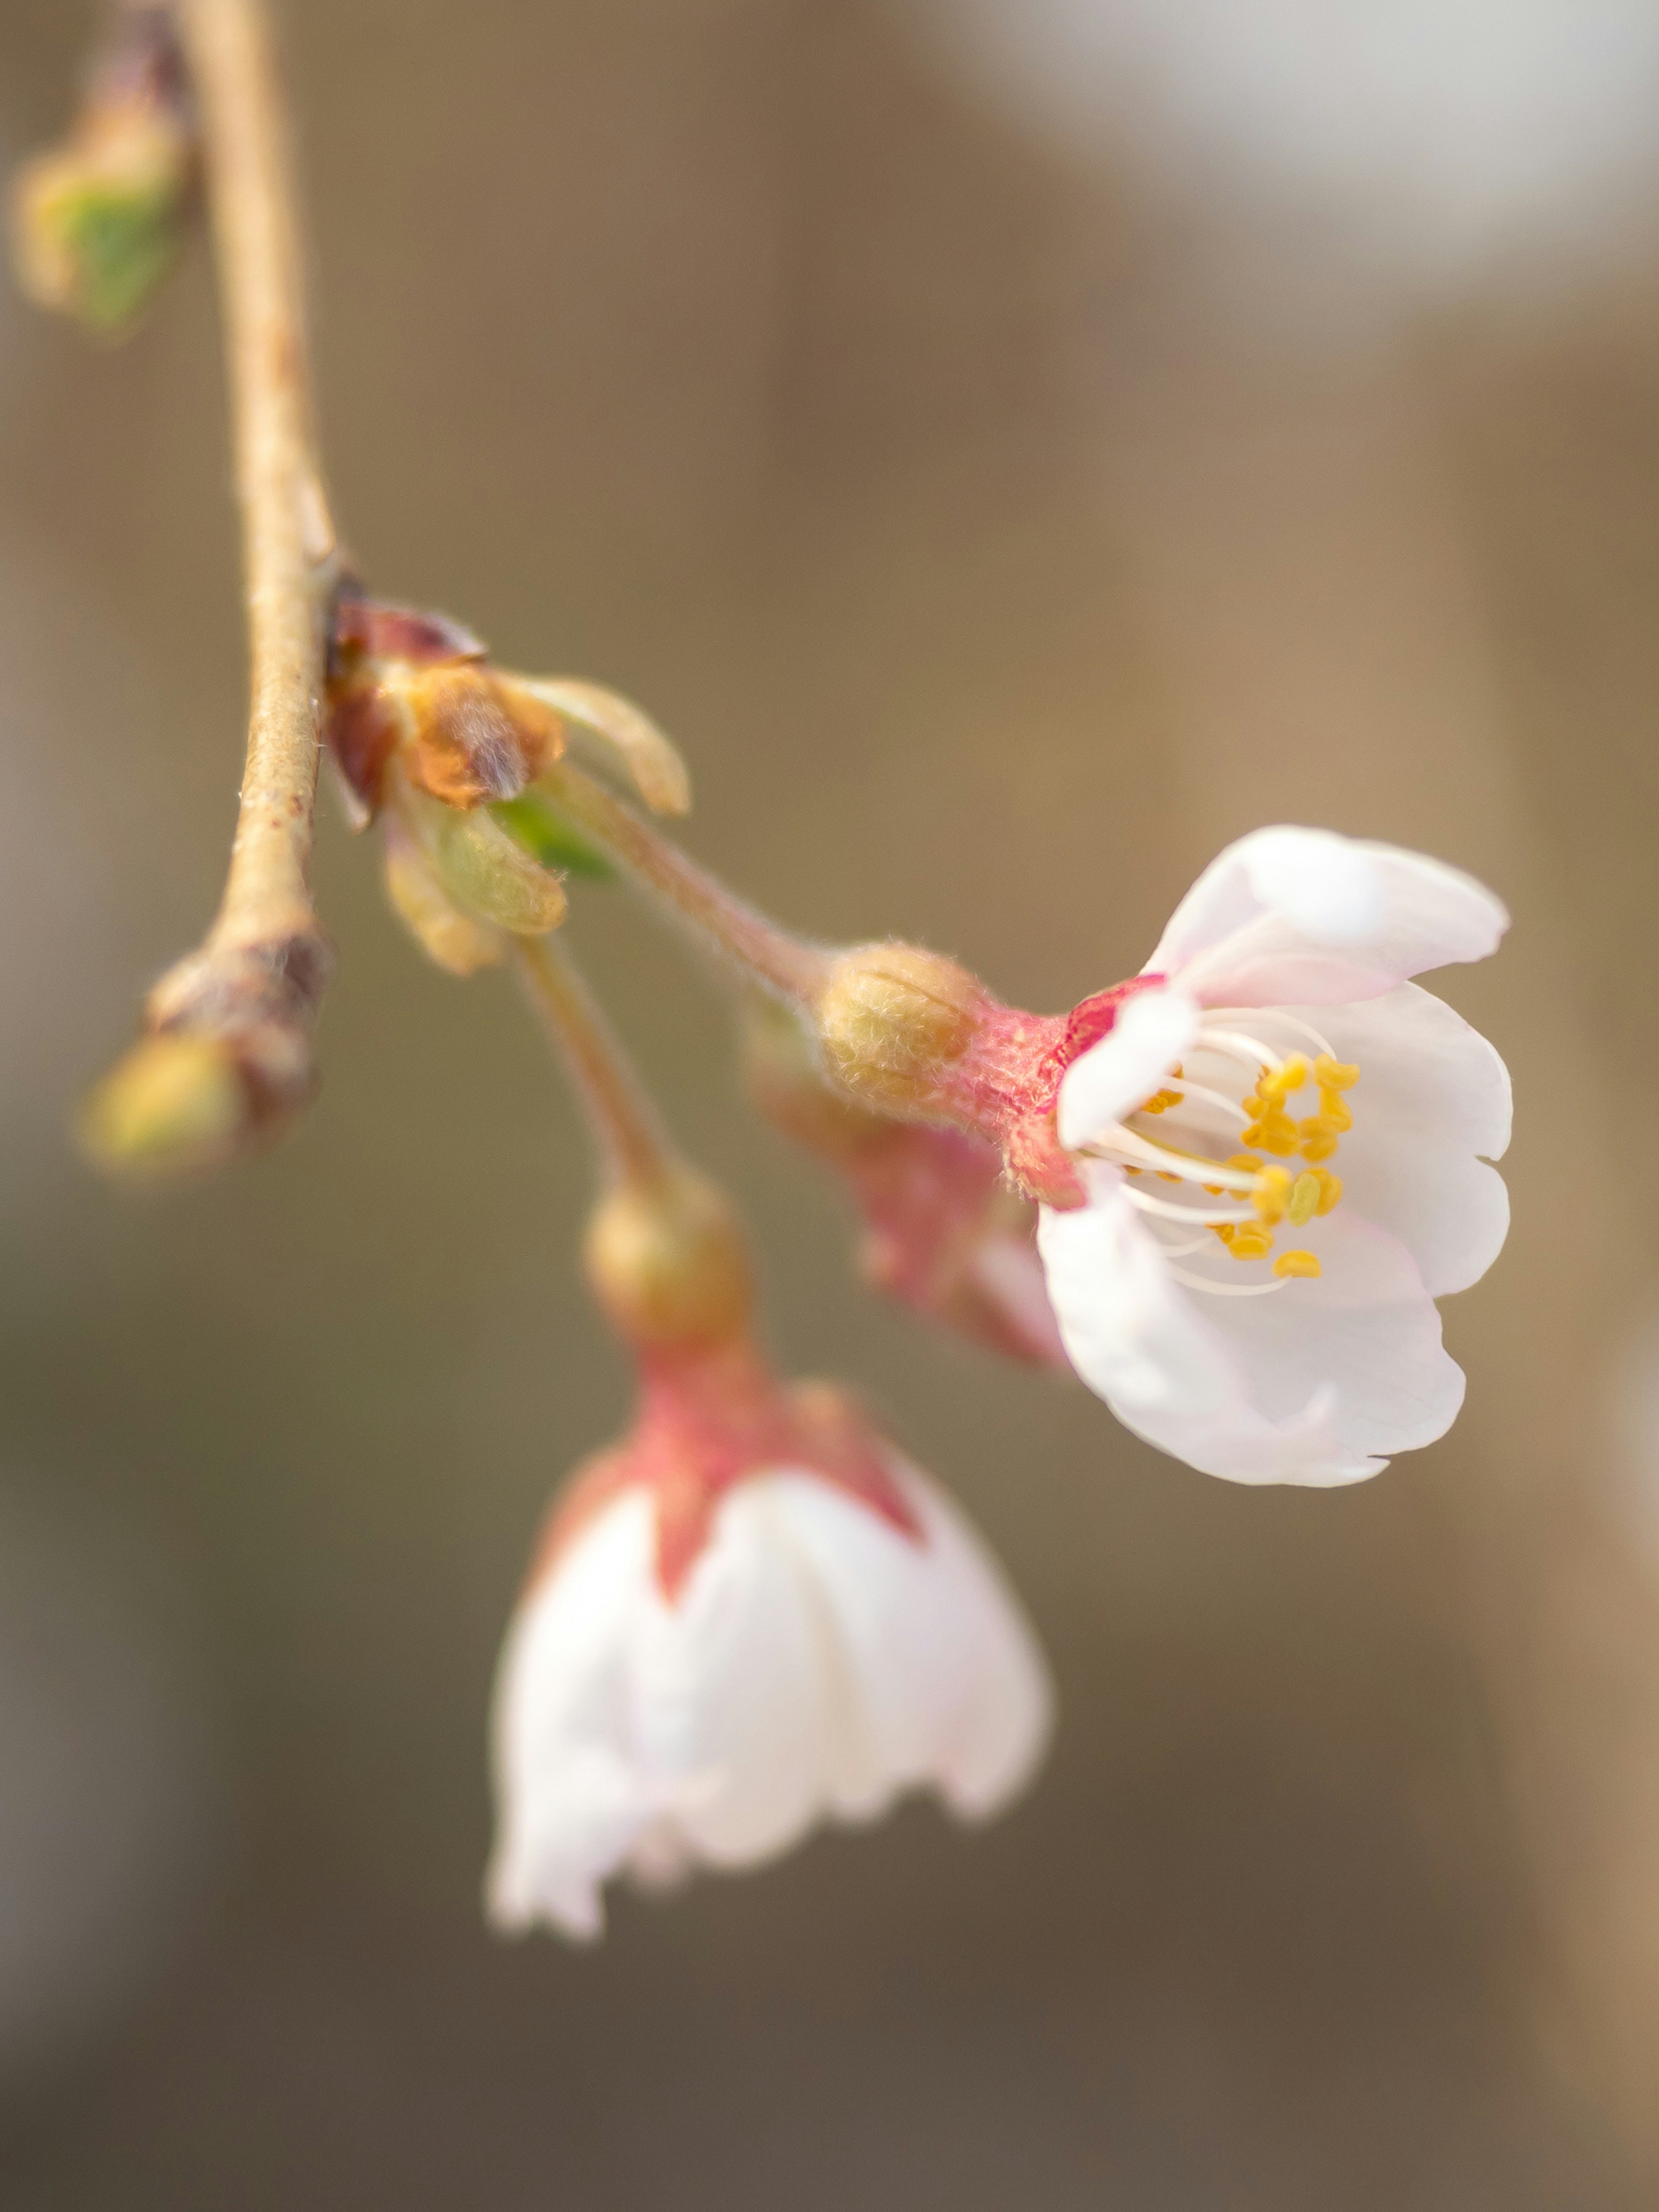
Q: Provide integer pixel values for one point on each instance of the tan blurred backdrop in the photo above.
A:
(993, 560)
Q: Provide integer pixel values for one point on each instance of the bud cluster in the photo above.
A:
(455, 756)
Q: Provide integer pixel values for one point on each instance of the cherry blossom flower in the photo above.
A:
(1282, 1145)
(753, 1615)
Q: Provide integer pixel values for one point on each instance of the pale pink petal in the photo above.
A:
(1367, 1329)
(1313, 1383)
(1432, 1094)
(1008, 1274)
(1289, 916)
(941, 1679)
(1152, 1031)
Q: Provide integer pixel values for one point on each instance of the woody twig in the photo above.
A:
(225, 1058)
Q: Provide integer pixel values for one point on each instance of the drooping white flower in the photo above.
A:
(1276, 1080)
(714, 1656)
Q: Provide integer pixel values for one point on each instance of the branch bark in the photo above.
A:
(227, 1055)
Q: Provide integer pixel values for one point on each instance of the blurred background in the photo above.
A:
(1015, 446)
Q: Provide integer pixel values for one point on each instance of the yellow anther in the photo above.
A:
(1250, 1240)
(1247, 1162)
(1297, 1263)
(1335, 1074)
(1318, 1140)
(1274, 1087)
(1224, 1229)
(1161, 1101)
(1306, 1192)
(1274, 1132)
(1334, 1109)
(1215, 1189)
(1164, 1176)
(1272, 1193)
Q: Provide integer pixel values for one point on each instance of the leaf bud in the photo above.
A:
(96, 223)
(667, 1261)
(176, 1102)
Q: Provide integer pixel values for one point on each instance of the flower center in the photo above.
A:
(1182, 1133)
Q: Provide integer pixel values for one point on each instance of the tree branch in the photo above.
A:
(227, 1058)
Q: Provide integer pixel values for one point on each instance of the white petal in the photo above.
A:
(1309, 1384)
(1152, 1032)
(817, 1659)
(1288, 916)
(571, 1799)
(730, 1691)
(1432, 1094)
(941, 1679)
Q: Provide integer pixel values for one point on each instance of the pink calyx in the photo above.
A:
(1006, 1087)
(710, 1417)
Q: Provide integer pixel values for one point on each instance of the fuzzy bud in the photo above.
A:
(667, 1262)
(96, 223)
(892, 1020)
(176, 1103)
(783, 1066)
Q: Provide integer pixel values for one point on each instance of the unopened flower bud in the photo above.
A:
(892, 1020)
(177, 1103)
(96, 223)
(783, 1065)
(448, 937)
(667, 1261)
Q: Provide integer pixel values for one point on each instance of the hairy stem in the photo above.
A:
(784, 966)
(632, 1141)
